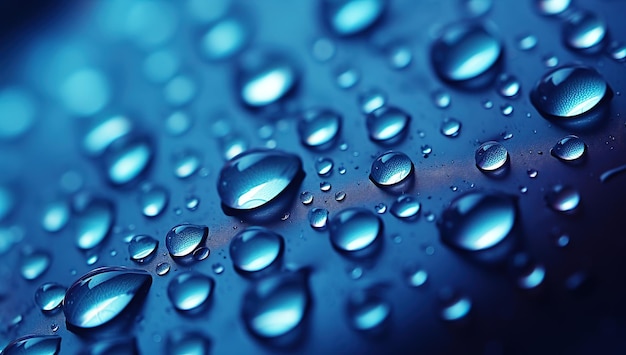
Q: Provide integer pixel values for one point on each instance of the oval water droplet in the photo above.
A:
(188, 343)
(225, 38)
(190, 291)
(354, 230)
(467, 55)
(393, 171)
(104, 133)
(182, 240)
(34, 345)
(450, 127)
(186, 164)
(563, 198)
(153, 200)
(387, 125)
(306, 198)
(415, 276)
(85, 92)
(371, 100)
(508, 86)
(351, 17)
(492, 158)
(569, 149)
(325, 186)
(163, 268)
(142, 248)
(49, 297)
(17, 113)
(93, 223)
(405, 207)
(324, 166)
(319, 128)
(367, 310)
(55, 217)
(255, 249)
(478, 220)
(456, 309)
(585, 32)
(104, 294)
(552, 7)
(318, 217)
(34, 263)
(127, 160)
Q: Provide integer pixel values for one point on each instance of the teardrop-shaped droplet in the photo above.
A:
(255, 249)
(34, 345)
(190, 291)
(351, 17)
(255, 178)
(415, 276)
(142, 247)
(450, 127)
(388, 125)
(478, 221)
(93, 223)
(318, 217)
(368, 310)
(225, 38)
(569, 149)
(104, 294)
(55, 216)
(491, 157)
(371, 100)
(552, 7)
(127, 160)
(276, 305)
(405, 207)
(153, 200)
(49, 296)
(391, 169)
(34, 263)
(188, 343)
(355, 229)
(585, 32)
(265, 78)
(571, 92)
(564, 199)
(467, 55)
(319, 129)
(184, 239)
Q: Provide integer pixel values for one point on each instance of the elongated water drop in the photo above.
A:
(182, 240)
(255, 249)
(367, 310)
(142, 247)
(34, 345)
(190, 291)
(351, 17)
(55, 217)
(225, 38)
(387, 125)
(354, 230)
(104, 133)
(585, 32)
(127, 159)
(188, 343)
(563, 198)
(93, 223)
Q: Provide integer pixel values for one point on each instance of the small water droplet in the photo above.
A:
(400, 57)
(562, 198)
(186, 164)
(178, 123)
(371, 100)
(405, 207)
(387, 125)
(318, 217)
(306, 198)
(319, 128)
(450, 127)
(325, 186)
(323, 49)
(550, 60)
(354, 230)
(392, 171)
(162, 269)
(569, 149)
(160, 66)
(426, 150)
(201, 253)
(192, 202)
(182, 240)
(351, 17)
(508, 86)
(532, 173)
(527, 42)
(217, 268)
(153, 200)
(224, 38)
(340, 196)
(142, 248)
(368, 310)
(441, 98)
(324, 166)
(380, 208)
(49, 297)
(491, 157)
(93, 223)
(455, 307)
(552, 7)
(487, 104)
(255, 249)
(55, 217)
(530, 275)
(188, 343)
(347, 78)
(34, 345)
(523, 189)
(415, 276)
(585, 32)
(617, 51)
(506, 109)
(92, 258)
(190, 291)
(127, 159)
(562, 240)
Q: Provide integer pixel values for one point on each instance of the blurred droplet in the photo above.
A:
(585, 32)
(319, 128)
(255, 249)
(153, 200)
(93, 223)
(405, 207)
(569, 149)
(186, 164)
(34, 263)
(368, 310)
(564, 199)
(387, 125)
(354, 229)
(184, 239)
(225, 38)
(55, 216)
(190, 291)
(17, 112)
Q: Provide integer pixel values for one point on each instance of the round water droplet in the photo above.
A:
(450, 127)
(55, 217)
(478, 220)
(467, 55)
(415, 276)
(265, 78)
(367, 310)
(318, 217)
(340, 196)
(617, 51)
(552, 7)
(569, 149)
(188, 343)
(153, 200)
(190, 291)
(387, 125)
(585, 32)
(319, 129)
(492, 157)
(34, 345)
(351, 17)
(508, 86)
(563, 199)
(255, 178)
(180, 90)
(506, 109)
(324, 166)
(192, 203)
(324, 49)
(218, 268)
(49, 297)
(126, 160)
(162, 269)
(34, 263)
(103, 294)
(142, 248)
(183, 240)
(93, 223)
(354, 229)
(571, 92)
(276, 305)
(371, 100)
(527, 42)
(186, 164)
(255, 249)
(405, 207)
(306, 198)
(347, 77)
(441, 98)
(400, 57)
(17, 113)
(392, 170)
(225, 38)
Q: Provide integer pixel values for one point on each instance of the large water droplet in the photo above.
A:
(393, 170)
(34, 345)
(190, 291)
(552, 7)
(126, 160)
(85, 92)
(55, 216)
(181, 241)
(585, 32)
(492, 158)
(188, 343)
(354, 230)
(101, 295)
(276, 305)
(478, 221)
(255, 249)
(49, 296)
(569, 149)
(142, 247)
(153, 200)
(467, 55)
(224, 38)
(34, 263)
(319, 128)
(368, 310)
(387, 125)
(93, 223)
(563, 198)
(405, 207)
(350, 17)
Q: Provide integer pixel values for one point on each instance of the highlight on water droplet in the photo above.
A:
(585, 32)
(492, 159)
(142, 248)
(319, 128)
(563, 199)
(318, 217)
(34, 344)
(351, 17)
(355, 231)
(190, 291)
(552, 7)
(393, 171)
(49, 297)
(387, 125)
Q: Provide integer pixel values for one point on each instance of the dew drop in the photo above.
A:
(527, 42)
(371, 100)
(55, 217)
(351, 17)
(126, 160)
(103, 134)
(162, 269)
(34, 345)
(340, 196)
(569, 149)
(192, 202)
(492, 157)
(508, 86)
(450, 127)
(400, 57)
(532, 173)
(426, 150)
(552, 7)
(550, 61)
(441, 98)
(368, 310)
(585, 32)
(224, 38)
(415, 276)
(405, 207)
(180, 90)
(562, 198)
(354, 229)
(319, 128)
(186, 164)
(217, 268)
(49, 297)
(188, 343)
(190, 291)
(347, 78)
(85, 92)
(506, 109)
(318, 217)
(153, 200)
(387, 125)
(255, 249)
(324, 166)
(182, 240)
(617, 51)
(392, 170)
(93, 223)
(142, 248)
(306, 198)
(380, 208)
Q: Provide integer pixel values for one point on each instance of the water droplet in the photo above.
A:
(85, 92)
(532, 173)
(478, 220)
(103, 294)
(569, 149)
(142, 248)
(34, 263)
(123, 345)
(255, 249)
(186, 164)
(162, 269)
(319, 128)
(477, 8)
(491, 157)
(367, 310)
(192, 202)
(17, 113)
(182, 240)
(324, 166)
(34, 345)
(201, 253)
(550, 61)
(190, 291)
(552, 7)
(563, 199)
(585, 32)
(55, 217)
(160, 66)
(508, 86)
(572, 92)
(92, 259)
(393, 171)
(405, 207)
(178, 123)
(415, 276)
(255, 178)
(325, 186)
(532, 278)
(387, 125)
(371, 100)
(506, 109)
(153, 200)
(188, 343)
(104, 133)
(49, 296)
(441, 98)
(487, 104)
(467, 55)
(150, 24)
(400, 57)
(233, 145)
(93, 223)
(527, 42)
(351, 17)
(456, 308)
(306, 198)
(450, 127)
(340, 196)
(318, 217)
(426, 150)
(354, 230)
(225, 38)
(7, 202)
(347, 78)
(276, 305)
(265, 78)
(617, 51)
(380, 208)
(218, 268)
(127, 159)
(180, 90)
(562, 240)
